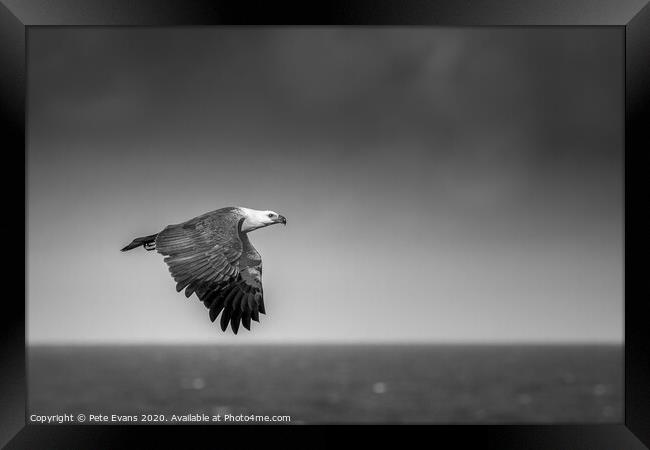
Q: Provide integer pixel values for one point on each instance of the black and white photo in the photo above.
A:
(453, 210)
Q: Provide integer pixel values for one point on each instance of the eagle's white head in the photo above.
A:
(254, 219)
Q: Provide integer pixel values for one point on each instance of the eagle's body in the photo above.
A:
(211, 255)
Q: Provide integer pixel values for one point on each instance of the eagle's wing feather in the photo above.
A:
(241, 299)
(209, 256)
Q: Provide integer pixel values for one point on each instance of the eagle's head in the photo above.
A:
(254, 219)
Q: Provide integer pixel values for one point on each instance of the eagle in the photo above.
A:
(212, 257)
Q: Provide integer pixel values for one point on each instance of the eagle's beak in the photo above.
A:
(281, 219)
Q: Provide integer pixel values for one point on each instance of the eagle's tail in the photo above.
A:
(148, 242)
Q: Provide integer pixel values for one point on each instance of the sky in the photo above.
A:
(440, 184)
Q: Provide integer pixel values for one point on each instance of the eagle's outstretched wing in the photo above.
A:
(209, 256)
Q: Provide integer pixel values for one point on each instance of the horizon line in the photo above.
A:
(231, 342)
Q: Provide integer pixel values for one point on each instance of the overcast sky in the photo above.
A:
(440, 184)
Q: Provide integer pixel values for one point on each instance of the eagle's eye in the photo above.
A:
(271, 215)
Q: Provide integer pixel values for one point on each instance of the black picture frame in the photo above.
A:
(17, 16)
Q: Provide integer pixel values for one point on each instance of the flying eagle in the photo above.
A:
(211, 255)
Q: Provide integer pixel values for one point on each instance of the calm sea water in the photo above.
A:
(333, 384)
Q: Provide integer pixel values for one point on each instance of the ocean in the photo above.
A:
(333, 383)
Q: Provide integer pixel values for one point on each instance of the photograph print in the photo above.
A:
(293, 225)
